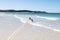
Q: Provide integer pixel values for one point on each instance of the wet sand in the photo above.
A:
(28, 32)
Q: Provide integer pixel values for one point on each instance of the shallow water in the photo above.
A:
(16, 26)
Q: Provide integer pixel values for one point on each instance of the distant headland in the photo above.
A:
(22, 11)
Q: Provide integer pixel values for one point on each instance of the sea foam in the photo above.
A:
(37, 24)
(48, 18)
(21, 19)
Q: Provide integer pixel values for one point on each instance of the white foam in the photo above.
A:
(21, 19)
(44, 26)
(48, 18)
(37, 24)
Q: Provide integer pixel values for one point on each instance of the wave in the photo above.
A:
(36, 24)
(44, 26)
(48, 18)
(21, 19)
(31, 23)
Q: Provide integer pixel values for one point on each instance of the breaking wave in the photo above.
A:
(21, 19)
(44, 26)
(48, 18)
(37, 24)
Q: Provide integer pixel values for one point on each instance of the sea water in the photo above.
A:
(49, 19)
(16, 26)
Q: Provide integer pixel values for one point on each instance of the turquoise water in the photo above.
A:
(40, 14)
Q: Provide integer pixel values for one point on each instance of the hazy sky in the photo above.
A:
(43, 5)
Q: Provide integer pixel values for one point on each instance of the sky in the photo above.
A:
(36, 5)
